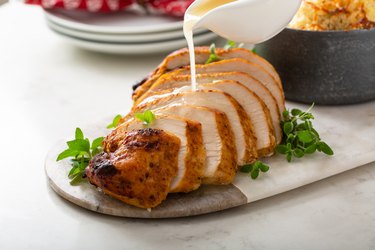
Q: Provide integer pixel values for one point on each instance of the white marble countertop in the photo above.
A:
(48, 88)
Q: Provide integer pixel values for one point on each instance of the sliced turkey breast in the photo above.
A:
(180, 58)
(191, 155)
(172, 82)
(256, 110)
(240, 123)
(240, 65)
(218, 139)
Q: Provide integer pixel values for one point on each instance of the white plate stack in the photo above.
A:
(123, 32)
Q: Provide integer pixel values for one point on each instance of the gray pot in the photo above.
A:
(329, 67)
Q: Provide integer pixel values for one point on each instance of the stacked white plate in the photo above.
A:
(123, 32)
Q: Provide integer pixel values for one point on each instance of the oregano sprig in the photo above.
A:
(254, 169)
(81, 152)
(115, 122)
(232, 44)
(213, 56)
(146, 117)
(299, 136)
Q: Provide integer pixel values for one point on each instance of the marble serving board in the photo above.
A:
(349, 130)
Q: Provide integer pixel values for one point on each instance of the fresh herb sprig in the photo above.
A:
(213, 56)
(115, 122)
(81, 152)
(299, 136)
(146, 117)
(232, 44)
(229, 45)
(254, 169)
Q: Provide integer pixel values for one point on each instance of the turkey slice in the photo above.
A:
(256, 110)
(172, 82)
(240, 65)
(218, 139)
(191, 156)
(180, 58)
(245, 140)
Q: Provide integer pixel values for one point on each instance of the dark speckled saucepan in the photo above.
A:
(329, 67)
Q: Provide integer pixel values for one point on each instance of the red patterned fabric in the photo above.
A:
(169, 7)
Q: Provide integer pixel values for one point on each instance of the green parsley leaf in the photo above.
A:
(146, 117)
(254, 50)
(115, 121)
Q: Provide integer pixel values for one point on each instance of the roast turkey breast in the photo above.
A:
(198, 137)
(180, 58)
(239, 120)
(172, 82)
(240, 65)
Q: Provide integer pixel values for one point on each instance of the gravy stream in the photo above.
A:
(190, 20)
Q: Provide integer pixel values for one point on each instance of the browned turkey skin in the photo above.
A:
(139, 169)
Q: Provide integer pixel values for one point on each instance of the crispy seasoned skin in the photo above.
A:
(192, 153)
(139, 169)
(180, 58)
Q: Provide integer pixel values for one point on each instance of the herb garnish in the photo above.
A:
(254, 169)
(232, 44)
(213, 57)
(81, 153)
(299, 136)
(115, 121)
(146, 117)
